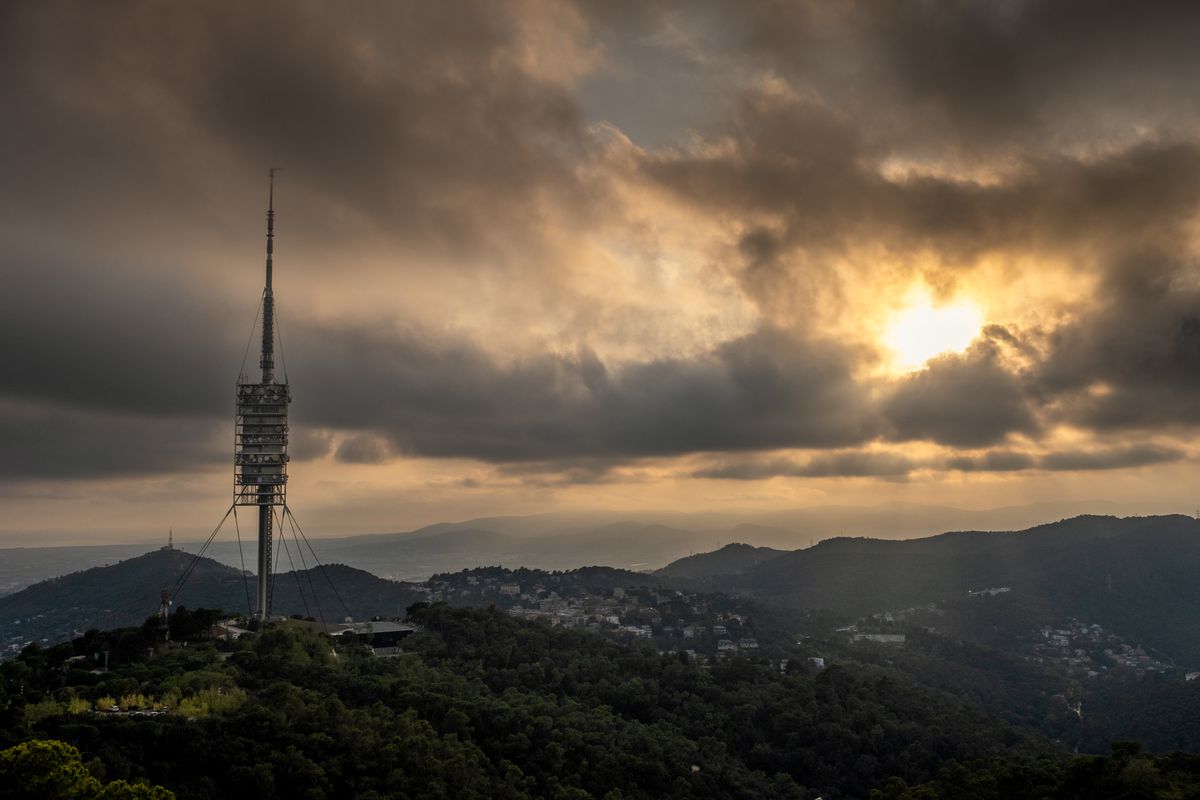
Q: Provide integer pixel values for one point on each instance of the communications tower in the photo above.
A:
(260, 459)
(261, 432)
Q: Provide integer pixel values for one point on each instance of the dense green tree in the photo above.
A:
(43, 769)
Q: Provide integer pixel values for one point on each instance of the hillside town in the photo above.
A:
(673, 621)
(1092, 650)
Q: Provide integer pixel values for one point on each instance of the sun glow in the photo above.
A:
(921, 330)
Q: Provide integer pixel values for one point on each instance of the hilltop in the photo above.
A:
(731, 559)
(128, 592)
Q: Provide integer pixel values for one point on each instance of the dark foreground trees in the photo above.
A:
(43, 769)
(485, 706)
(1127, 774)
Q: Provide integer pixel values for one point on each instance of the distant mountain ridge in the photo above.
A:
(1137, 575)
(643, 540)
(128, 592)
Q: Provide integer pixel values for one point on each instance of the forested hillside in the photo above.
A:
(484, 705)
(1139, 576)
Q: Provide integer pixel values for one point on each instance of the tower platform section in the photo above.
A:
(260, 444)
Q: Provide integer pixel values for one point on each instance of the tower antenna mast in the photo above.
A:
(261, 429)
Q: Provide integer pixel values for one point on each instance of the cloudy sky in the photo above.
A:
(546, 255)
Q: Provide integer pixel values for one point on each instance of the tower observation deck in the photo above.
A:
(261, 432)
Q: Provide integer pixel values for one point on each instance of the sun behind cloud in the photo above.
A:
(921, 330)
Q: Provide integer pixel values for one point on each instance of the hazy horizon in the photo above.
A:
(821, 521)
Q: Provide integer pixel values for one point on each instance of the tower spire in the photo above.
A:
(270, 221)
(268, 312)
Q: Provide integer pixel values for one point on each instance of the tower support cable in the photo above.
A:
(308, 572)
(324, 572)
(242, 559)
(295, 574)
(187, 573)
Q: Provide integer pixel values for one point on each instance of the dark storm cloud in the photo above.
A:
(108, 373)
(967, 400)
(826, 197)
(555, 418)
(134, 124)
(441, 397)
(1120, 457)
(971, 75)
(44, 440)
(419, 120)
(895, 466)
(573, 417)
(1130, 362)
(830, 465)
(129, 350)
(992, 461)
(582, 471)
(306, 443)
(404, 390)
(1112, 458)
(102, 341)
(363, 448)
